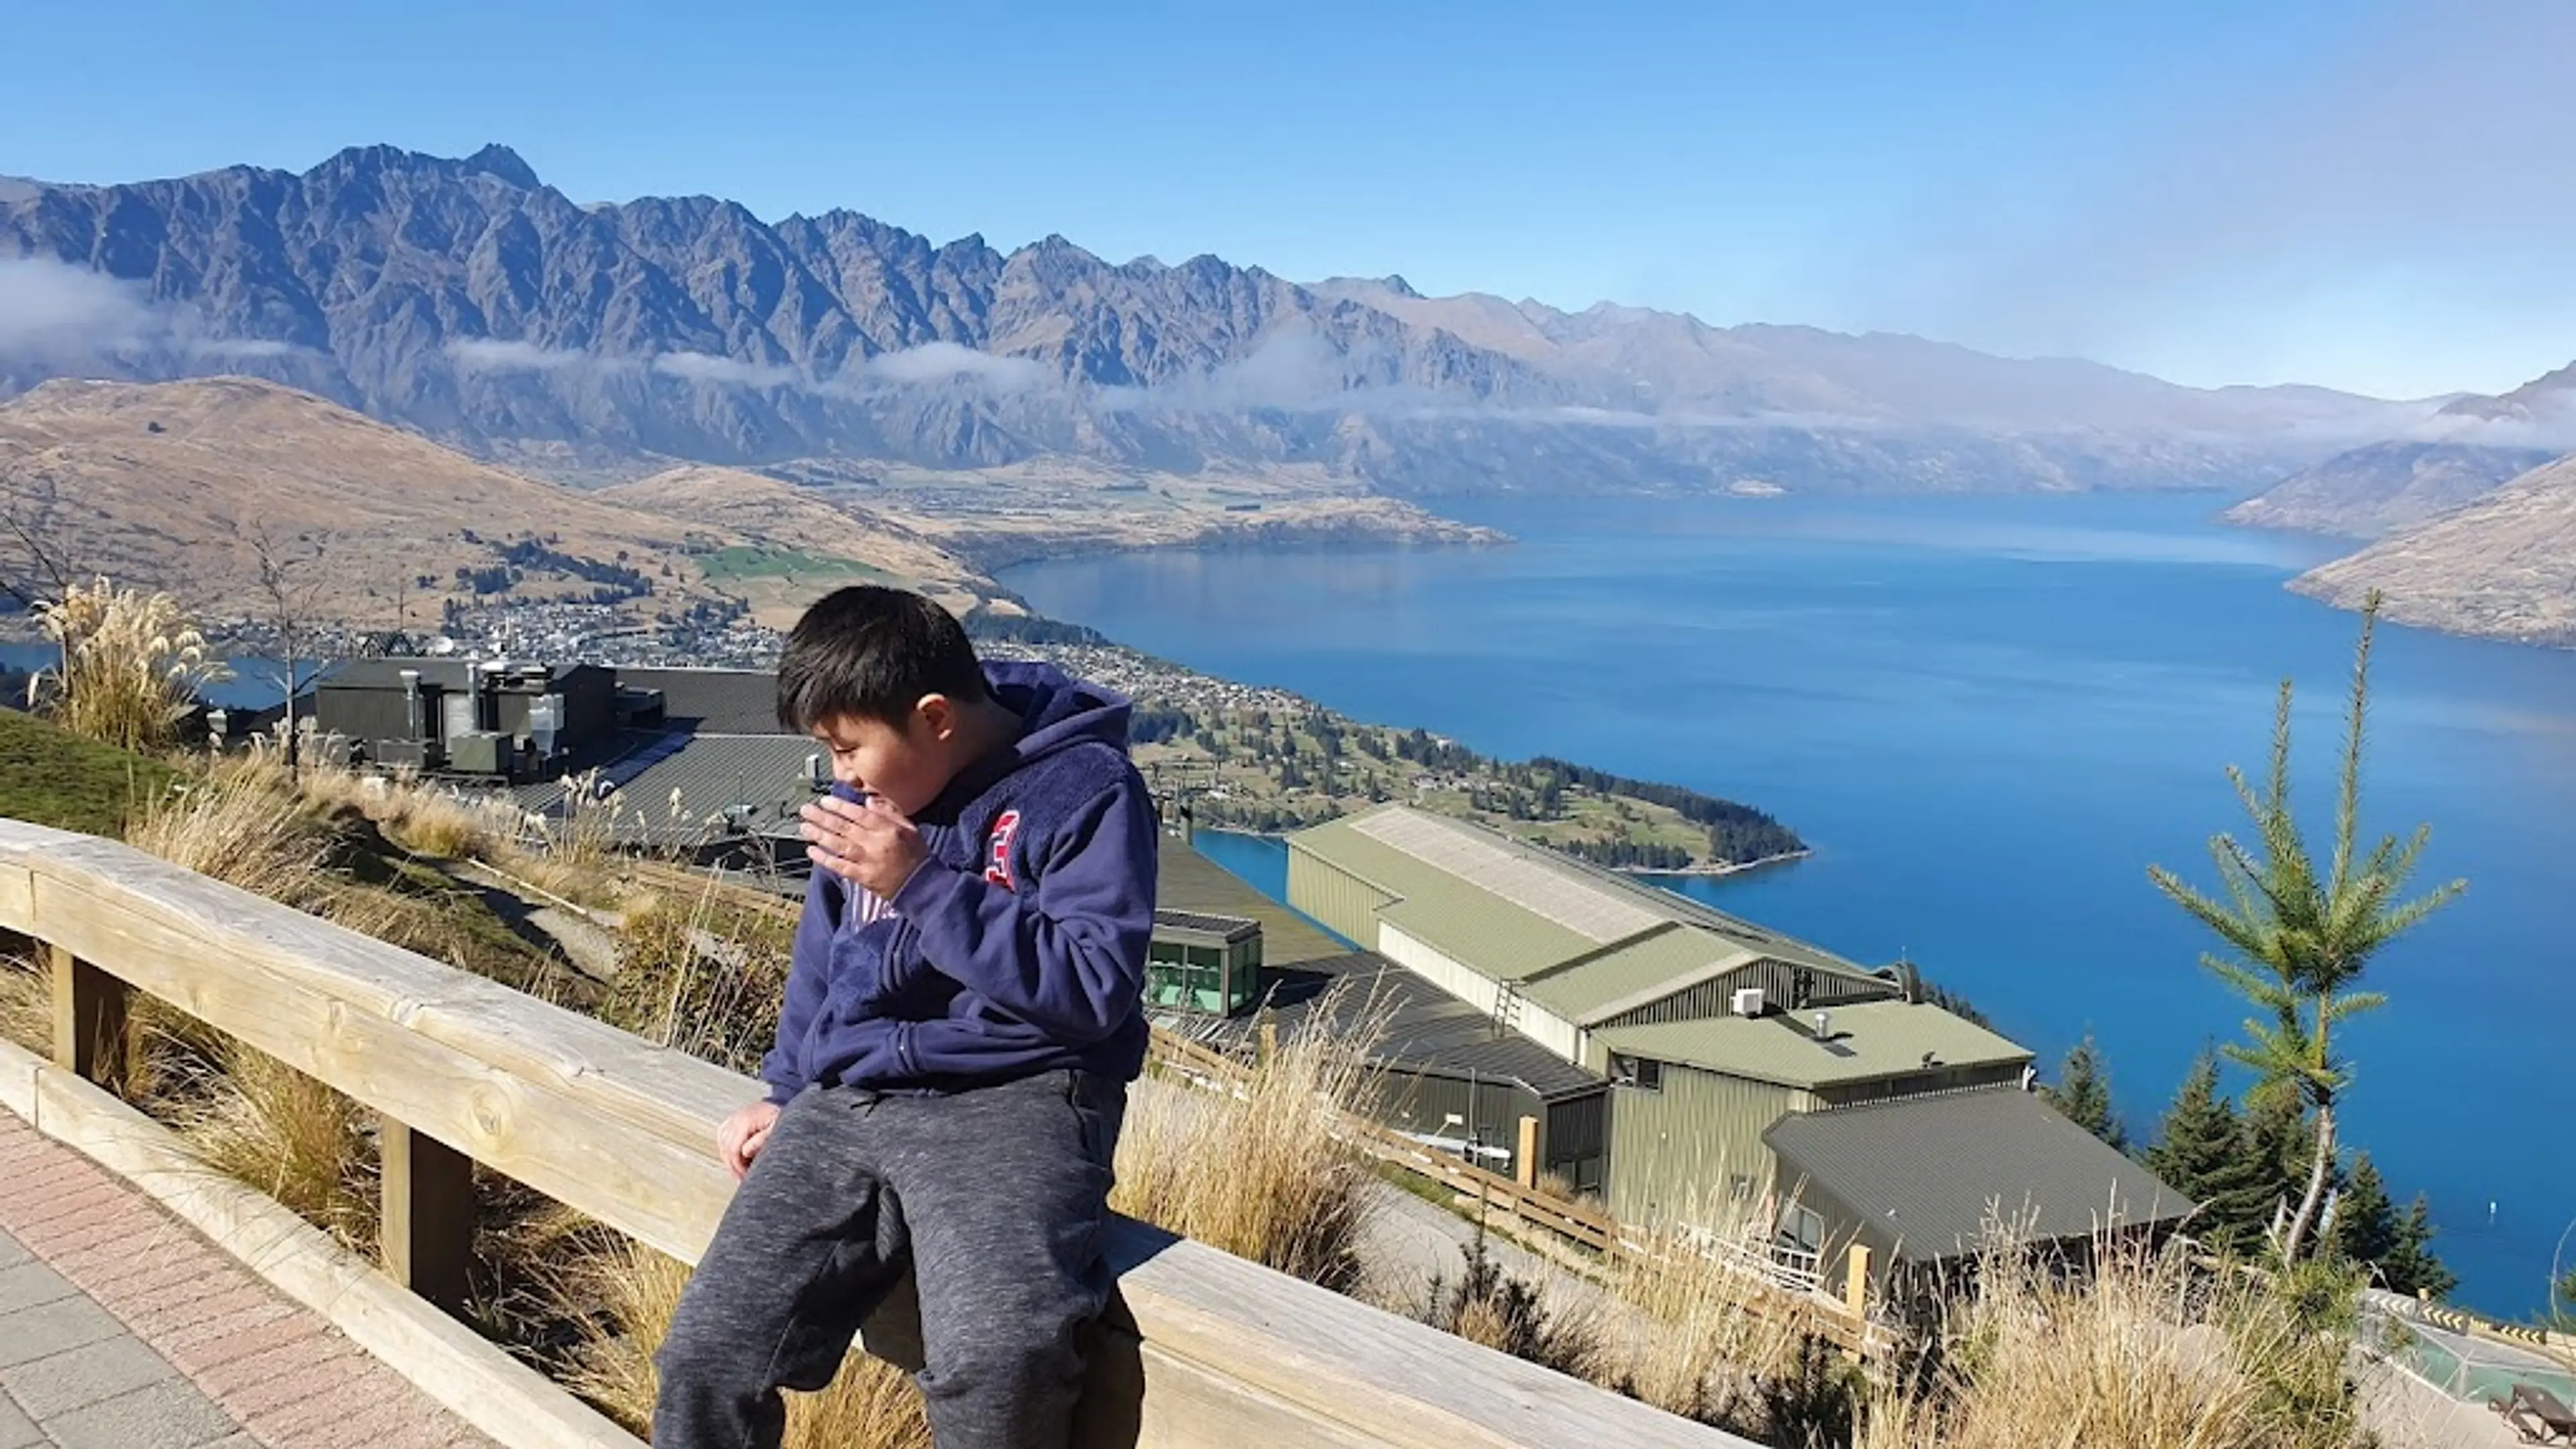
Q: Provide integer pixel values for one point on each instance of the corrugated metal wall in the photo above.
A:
(371, 714)
(1575, 1142)
(1779, 984)
(1342, 901)
(1489, 1111)
(1443, 971)
(1678, 1152)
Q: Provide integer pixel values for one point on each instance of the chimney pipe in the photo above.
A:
(411, 703)
(1824, 1026)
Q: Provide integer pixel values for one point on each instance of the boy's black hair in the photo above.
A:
(869, 652)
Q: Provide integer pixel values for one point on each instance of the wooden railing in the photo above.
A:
(1199, 1348)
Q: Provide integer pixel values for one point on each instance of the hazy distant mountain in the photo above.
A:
(2548, 400)
(2504, 565)
(466, 299)
(2383, 487)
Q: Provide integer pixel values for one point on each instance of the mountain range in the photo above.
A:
(467, 300)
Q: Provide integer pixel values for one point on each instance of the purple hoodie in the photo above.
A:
(1018, 946)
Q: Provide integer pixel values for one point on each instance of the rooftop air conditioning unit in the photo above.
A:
(479, 752)
(1747, 1001)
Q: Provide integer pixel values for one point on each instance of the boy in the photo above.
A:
(953, 1055)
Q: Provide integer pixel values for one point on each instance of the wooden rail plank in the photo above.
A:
(17, 899)
(1208, 1345)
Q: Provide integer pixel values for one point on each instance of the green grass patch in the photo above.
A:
(50, 776)
(739, 562)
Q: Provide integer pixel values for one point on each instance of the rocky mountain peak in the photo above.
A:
(502, 163)
(463, 298)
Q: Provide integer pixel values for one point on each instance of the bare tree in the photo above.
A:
(291, 579)
(35, 567)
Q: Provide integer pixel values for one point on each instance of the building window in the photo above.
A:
(1243, 979)
(1801, 1240)
(1643, 1073)
(1206, 979)
(1166, 982)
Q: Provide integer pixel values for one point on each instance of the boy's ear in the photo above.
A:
(937, 713)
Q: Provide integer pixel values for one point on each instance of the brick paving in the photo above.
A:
(121, 1328)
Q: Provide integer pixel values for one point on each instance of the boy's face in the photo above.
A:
(909, 766)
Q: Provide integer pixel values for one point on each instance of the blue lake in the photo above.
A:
(1988, 716)
(255, 683)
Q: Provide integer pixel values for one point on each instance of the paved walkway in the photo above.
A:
(121, 1328)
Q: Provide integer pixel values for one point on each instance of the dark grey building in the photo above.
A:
(1926, 1181)
(496, 719)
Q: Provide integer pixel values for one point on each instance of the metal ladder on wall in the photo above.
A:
(1507, 1008)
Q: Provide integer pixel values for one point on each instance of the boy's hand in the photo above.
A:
(872, 845)
(743, 1134)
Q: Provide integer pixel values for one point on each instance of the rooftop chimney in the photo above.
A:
(1824, 1026)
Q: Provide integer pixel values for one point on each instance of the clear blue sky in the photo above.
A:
(2374, 194)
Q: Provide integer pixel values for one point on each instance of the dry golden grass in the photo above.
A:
(2147, 1352)
(245, 824)
(628, 1296)
(422, 820)
(1691, 1332)
(26, 1004)
(701, 974)
(1263, 1171)
(269, 1125)
(131, 665)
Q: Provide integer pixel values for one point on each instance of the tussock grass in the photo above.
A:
(130, 668)
(417, 818)
(702, 974)
(257, 1119)
(1263, 1170)
(26, 1004)
(2146, 1351)
(1692, 1333)
(245, 824)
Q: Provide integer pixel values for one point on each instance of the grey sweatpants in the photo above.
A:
(995, 1198)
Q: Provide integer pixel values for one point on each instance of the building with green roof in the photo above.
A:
(1712, 1029)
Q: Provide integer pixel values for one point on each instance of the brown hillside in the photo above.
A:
(791, 522)
(168, 484)
(2504, 566)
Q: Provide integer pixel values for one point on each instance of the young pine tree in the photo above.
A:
(2083, 1095)
(2365, 1220)
(2203, 1151)
(2414, 1267)
(2300, 932)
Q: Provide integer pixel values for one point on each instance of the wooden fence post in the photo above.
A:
(1525, 1159)
(427, 1231)
(89, 1019)
(1856, 1281)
